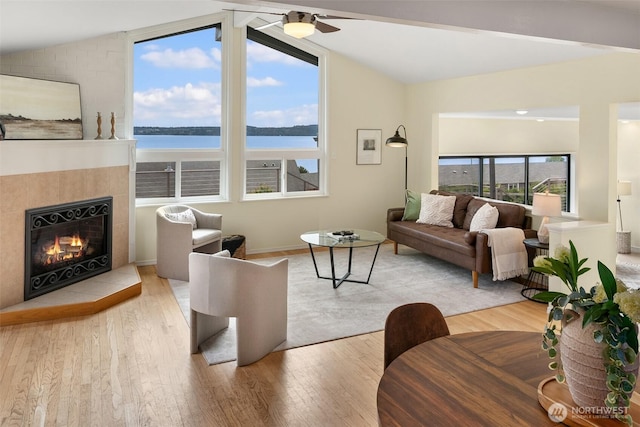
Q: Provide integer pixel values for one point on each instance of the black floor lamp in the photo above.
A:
(397, 141)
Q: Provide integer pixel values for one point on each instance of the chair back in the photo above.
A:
(409, 325)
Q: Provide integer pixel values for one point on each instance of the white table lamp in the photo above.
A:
(546, 205)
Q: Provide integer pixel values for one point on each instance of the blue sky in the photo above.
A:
(177, 83)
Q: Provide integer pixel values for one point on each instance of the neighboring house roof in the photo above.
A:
(505, 173)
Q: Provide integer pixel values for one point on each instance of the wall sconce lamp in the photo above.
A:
(299, 24)
(396, 141)
(546, 205)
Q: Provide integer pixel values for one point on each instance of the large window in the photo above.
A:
(179, 115)
(177, 97)
(507, 178)
(284, 146)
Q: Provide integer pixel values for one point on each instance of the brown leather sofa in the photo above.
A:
(457, 245)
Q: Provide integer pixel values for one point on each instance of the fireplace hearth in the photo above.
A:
(66, 243)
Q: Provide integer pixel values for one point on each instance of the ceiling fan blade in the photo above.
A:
(326, 28)
(271, 24)
(332, 17)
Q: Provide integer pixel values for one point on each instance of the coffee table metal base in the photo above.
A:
(338, 281)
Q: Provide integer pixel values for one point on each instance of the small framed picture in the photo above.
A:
(368, 147)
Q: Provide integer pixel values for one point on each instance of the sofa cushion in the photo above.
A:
(412, 206)
(472, 208)
(434, 237)
(184, 216)
(485, 218)
(460, 208)
(204, 236)
(436, 210)
(511, 215)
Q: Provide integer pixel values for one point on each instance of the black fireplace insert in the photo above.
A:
(66, 243)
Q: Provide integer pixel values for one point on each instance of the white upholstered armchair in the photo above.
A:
(181, 230)
(255, 294)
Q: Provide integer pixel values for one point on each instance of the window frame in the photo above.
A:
(526, 164)
(193, 154)
(301, 50)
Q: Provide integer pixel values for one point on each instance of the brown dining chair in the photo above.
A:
(409, 325)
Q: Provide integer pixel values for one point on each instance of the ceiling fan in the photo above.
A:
(300, 24)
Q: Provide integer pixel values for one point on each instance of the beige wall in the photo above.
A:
(469, 136)
(595, 85)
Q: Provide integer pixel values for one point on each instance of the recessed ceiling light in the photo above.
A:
(521, 112)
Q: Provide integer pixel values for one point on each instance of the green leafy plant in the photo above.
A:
(608, 304)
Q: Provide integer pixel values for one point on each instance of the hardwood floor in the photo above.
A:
(130, 365)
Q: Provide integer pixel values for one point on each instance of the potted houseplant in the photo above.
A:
(606, 338)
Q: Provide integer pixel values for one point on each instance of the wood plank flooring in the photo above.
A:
(130, 366)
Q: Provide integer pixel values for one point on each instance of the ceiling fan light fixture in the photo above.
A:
(299, 29)
(299, 24)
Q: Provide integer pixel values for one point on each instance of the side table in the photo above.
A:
(536, 282)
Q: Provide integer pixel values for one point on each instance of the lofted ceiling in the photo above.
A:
(407, 52)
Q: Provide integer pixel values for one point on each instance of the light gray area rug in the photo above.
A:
(319, 313)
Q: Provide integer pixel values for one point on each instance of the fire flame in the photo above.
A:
(65, 248)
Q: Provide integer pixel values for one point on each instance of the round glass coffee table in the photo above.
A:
(352, 238)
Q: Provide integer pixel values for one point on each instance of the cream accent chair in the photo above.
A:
(255, 294)
(176, 240)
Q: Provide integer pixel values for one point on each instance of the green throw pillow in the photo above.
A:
(412, 207)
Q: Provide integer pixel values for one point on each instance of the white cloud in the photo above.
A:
(192, 58)
(267, 81)
(188, 105)
(300, 115)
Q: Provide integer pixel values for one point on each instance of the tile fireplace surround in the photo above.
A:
(42, 173)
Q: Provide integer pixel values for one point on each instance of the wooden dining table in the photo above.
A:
(478, 378)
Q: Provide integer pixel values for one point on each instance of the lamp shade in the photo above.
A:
(546, 204)
(396, 140)
(299, 29)
(624, 188)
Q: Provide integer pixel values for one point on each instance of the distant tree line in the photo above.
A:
(299, 130)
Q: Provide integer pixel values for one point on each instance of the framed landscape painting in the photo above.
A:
(39, 109)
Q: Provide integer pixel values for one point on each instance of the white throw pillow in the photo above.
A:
(436, 209)
(184, 216)
(485, 218)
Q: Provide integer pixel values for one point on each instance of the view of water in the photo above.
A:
(199, 141)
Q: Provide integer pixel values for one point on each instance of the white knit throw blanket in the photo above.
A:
(509, 255)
